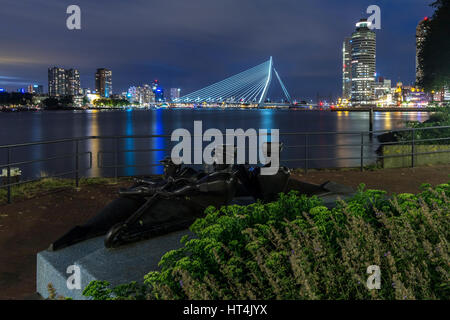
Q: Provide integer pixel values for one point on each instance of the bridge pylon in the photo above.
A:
(250, 86)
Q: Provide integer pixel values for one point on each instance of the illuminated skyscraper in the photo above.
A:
(62, 82)
(56, 82)
(347, 69)
(35, 88)
(103, 82)
(142, 95)
(158, 91)
(72, 82)
(363, 55)
(174, 93)
(420, 37)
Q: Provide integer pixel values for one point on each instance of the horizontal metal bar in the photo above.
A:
(136, 150)
(411, 141)
(169, 136)
(328, 145)
(46, 159)
(28, 144)
(359, 132)
(131, 166)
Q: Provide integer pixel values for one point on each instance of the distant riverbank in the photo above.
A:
(297, 108)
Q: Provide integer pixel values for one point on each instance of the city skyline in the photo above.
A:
(306, 74)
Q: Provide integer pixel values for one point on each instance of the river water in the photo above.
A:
(24, 127)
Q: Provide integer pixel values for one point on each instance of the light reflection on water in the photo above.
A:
(158, 143)
(92, 129)
(26, 127)
(129, 146)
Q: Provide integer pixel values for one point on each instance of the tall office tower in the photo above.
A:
(103, 82)
(56, 82)
(35, 88)
(38, 89)
(347, 69)
(147, 94)
(174, 93)
(73, 82)
(132, 94)
(363, 48)
(158, 91)
(420, 37)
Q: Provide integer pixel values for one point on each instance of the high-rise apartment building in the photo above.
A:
(73, 82)
(420, 37)
(347, 69)
(36, 89)
(363, 64)
(142, 95)
(103, 82)
(174, 93)
(158, 91)
(56, 82)
(62, 82)
(146, 95)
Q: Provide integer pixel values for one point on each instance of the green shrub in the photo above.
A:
(437, 119)
(296, 248)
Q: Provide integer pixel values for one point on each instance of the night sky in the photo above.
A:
(193, 43)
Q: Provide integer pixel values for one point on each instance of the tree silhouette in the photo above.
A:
(434, 55)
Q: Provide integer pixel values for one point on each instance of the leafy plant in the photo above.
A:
(296, 248)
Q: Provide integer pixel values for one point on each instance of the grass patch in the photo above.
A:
(46, 185)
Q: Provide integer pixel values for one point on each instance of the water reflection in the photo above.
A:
(388, 121)
(130, 145)
(93, 145)
(267, 119)
(25, 127)
(37, 153)
(158, 143)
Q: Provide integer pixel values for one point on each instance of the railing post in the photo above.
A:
(116, 158)
(371, 116)
(362, 151)
(413, 147)
(9, 176)
(306, 153)
(77, 165)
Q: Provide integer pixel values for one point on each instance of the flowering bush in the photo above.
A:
(296, 248)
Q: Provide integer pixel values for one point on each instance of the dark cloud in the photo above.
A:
(190, 44)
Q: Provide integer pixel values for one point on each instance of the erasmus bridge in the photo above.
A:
(248, 87)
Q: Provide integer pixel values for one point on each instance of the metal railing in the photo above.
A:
(364, 138)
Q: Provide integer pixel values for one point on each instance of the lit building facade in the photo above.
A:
(143, 95)
(175, 93)
(73, 85)
(62, 82)
(56, 82)
(158, 91)
(420, 37)
(447, 94)
(363, 66)
(103, 82)
(347, 69)
(35, 89)
(146, 94)
(383, 92)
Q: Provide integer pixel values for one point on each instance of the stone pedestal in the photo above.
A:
(117, 266)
